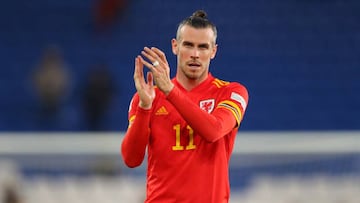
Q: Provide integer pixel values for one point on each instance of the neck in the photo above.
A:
(189, 83)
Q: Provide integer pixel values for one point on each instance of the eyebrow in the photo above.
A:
(204, 45)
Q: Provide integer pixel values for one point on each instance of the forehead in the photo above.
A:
(197, 35)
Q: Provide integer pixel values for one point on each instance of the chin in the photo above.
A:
(193, 76)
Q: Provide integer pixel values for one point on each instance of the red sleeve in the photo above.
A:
(219, 123)
(137, 136)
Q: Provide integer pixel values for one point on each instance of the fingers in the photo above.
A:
(150, 54)
(147, 64)
(144, 87)
(150, 78)
(154, 54)
(137, 70)
(159, 73)
(159, 54)
(138, 73)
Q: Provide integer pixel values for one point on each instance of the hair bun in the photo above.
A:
(200, 14)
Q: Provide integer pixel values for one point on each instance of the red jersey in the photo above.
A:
(189, 136)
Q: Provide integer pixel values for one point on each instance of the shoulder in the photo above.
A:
(233, 91)
(229, 86)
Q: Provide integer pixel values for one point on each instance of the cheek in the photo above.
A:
(183, 54)
(207, 56)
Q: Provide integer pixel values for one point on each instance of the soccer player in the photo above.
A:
(188, 123)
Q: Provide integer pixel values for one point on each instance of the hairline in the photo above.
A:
(186, 24)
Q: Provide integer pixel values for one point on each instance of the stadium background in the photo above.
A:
(298, 58)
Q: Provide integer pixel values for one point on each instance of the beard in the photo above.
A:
(194, 74)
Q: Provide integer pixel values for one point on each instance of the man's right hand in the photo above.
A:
(145, 89)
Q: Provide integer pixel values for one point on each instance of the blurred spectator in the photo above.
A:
(11, 195)
(98, 94)
(106, 12)
(51, 81)
(10, 179)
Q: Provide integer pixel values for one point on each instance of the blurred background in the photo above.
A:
(66, 78)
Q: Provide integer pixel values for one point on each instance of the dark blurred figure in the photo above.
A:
(11, 195)
(107, 11)
(51, 81)
(98, 94)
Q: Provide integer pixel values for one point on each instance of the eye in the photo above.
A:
(203, 46)
(187, 44)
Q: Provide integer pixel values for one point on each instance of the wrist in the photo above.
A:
(168, 90)
(145, 106)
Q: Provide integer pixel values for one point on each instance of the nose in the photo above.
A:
(195, 53)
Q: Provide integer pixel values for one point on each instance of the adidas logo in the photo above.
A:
(162, 111)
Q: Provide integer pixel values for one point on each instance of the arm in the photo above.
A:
(226, 116)
(136, 138)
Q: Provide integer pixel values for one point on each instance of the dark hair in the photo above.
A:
(197, 20)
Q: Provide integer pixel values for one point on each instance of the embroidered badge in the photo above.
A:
(207, 105)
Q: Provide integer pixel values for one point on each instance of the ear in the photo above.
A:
(214, 50)
(174, 46)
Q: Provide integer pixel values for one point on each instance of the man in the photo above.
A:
(188, 124)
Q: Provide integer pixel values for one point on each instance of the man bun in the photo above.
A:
(197, 20)
(200, 14)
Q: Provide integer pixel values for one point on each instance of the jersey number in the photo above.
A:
(177, 139)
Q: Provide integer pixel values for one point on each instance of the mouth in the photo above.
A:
(194, 65)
